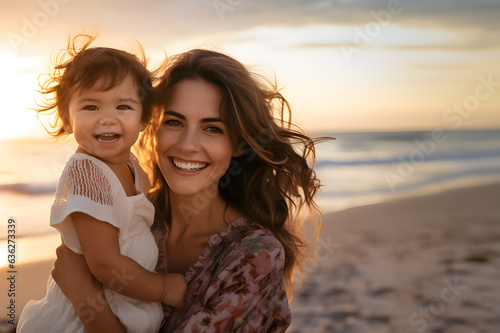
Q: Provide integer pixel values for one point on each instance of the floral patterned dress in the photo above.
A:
(236, 285)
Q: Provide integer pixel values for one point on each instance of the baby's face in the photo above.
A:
(106, 123)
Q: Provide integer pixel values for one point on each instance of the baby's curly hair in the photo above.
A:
(84, 68)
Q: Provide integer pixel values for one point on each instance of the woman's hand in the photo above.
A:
(73, 276)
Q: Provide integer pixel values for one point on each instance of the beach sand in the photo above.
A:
(421, 264)
(30, 283)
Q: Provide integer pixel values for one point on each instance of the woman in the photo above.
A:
(230, 182)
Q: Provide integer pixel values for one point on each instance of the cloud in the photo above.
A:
(439, 66)
(184, 18)
(422, 13)
(409, 47)
(158, 24)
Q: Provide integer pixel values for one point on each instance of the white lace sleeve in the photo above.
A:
(83, 187)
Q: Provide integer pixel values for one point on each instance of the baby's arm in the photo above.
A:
(100, 245)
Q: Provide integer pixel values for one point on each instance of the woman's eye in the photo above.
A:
(172, 123)
(90, 108)
(213, 129)
(123, 107)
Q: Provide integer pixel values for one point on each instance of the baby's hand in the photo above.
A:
(175, 288)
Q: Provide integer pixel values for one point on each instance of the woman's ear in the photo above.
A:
(143, 126)
(238, 151)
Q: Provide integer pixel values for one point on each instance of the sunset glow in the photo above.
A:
(369, 65)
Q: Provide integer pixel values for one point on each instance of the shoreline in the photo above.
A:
(378, 264)
(430, 189)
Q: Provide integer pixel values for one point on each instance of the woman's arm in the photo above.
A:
(100, 245)
(73, 276)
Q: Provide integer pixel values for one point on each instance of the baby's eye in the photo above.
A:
(90, 108)
(123, 107)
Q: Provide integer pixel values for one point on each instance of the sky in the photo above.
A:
(344, 65)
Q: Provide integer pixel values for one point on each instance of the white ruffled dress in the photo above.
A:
(88, 185)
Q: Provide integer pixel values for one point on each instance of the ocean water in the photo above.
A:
(355, 169)
(364, 168)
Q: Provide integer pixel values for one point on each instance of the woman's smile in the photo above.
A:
(188, 166)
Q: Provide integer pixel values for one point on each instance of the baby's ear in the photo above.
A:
(67, 127)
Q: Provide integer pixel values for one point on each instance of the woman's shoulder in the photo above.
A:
(246, 229)
(249, 237)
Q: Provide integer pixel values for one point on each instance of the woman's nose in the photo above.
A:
(189, 140)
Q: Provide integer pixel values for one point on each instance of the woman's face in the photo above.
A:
(193, 146)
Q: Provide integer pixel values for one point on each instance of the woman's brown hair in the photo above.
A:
(80, 66)
(271, 181)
